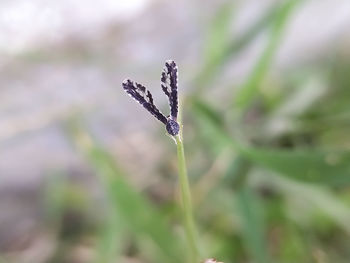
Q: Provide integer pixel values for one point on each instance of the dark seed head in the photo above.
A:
(172, 127)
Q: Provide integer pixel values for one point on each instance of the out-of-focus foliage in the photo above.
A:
(270, 171)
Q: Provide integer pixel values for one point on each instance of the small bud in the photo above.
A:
(172, 127)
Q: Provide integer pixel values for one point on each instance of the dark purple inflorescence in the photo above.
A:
(144, 97)
(169, 86)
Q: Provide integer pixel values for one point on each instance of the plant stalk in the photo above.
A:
(186, 202)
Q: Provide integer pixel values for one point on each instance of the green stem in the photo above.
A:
(186, 202)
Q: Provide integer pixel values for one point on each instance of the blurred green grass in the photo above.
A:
(280, 198)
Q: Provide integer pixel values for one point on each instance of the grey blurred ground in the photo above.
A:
(65, 58)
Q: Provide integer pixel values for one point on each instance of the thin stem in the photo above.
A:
(186, 202)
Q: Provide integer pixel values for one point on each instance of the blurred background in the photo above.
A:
(87, 175)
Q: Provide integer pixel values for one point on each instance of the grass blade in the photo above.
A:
(252, 225)
(249, 89)
(211, 67)
(326, 167)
